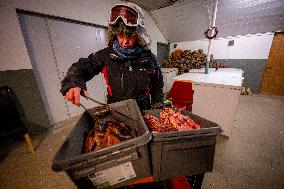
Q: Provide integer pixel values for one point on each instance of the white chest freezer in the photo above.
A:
(216, 94)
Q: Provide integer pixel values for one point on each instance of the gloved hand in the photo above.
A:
(73, 95)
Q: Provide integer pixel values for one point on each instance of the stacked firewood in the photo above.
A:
(246, 91)
(214, 64)
(187, 60)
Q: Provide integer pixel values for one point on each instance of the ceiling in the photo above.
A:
(186, 20)
(151, 5)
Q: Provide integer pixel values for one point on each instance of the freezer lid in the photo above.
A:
(225, 77)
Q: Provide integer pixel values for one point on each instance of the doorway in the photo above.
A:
(53, 45)
(163, 51)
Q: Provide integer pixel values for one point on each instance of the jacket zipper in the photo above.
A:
(121, 79)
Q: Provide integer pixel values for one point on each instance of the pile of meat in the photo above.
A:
(101, 137)
(170, 120)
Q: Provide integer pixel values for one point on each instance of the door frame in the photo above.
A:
(34, 66)
(58, 18)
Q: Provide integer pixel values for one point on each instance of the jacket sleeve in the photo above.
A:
(157, 84)
(81, 72)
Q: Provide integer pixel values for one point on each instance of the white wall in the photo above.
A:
(13, 51)
(245, 47)
(154, 32)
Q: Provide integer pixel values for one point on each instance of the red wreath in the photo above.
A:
(207, 32)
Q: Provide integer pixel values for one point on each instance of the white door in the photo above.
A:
(53, 46)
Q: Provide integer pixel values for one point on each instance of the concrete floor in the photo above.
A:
(251, 158)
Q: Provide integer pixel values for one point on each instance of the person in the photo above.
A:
(129, 67)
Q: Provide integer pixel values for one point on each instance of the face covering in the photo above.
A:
(127, 53)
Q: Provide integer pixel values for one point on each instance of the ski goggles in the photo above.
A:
(129, 15)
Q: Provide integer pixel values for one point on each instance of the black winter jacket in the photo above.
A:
(137, 78)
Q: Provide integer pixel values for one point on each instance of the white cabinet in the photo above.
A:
(168, 74)
(216, 94)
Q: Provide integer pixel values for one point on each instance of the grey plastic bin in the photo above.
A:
(116, 165)
(184, 153)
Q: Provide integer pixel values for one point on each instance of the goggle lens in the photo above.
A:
(129, 15)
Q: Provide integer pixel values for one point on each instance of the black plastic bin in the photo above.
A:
(184, 153)
(116, 165)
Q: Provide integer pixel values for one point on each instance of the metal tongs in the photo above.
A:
(107, 105)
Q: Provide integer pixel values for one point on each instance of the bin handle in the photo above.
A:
(102, 158)
(188, 145)
(133, 156)
(182, 137)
